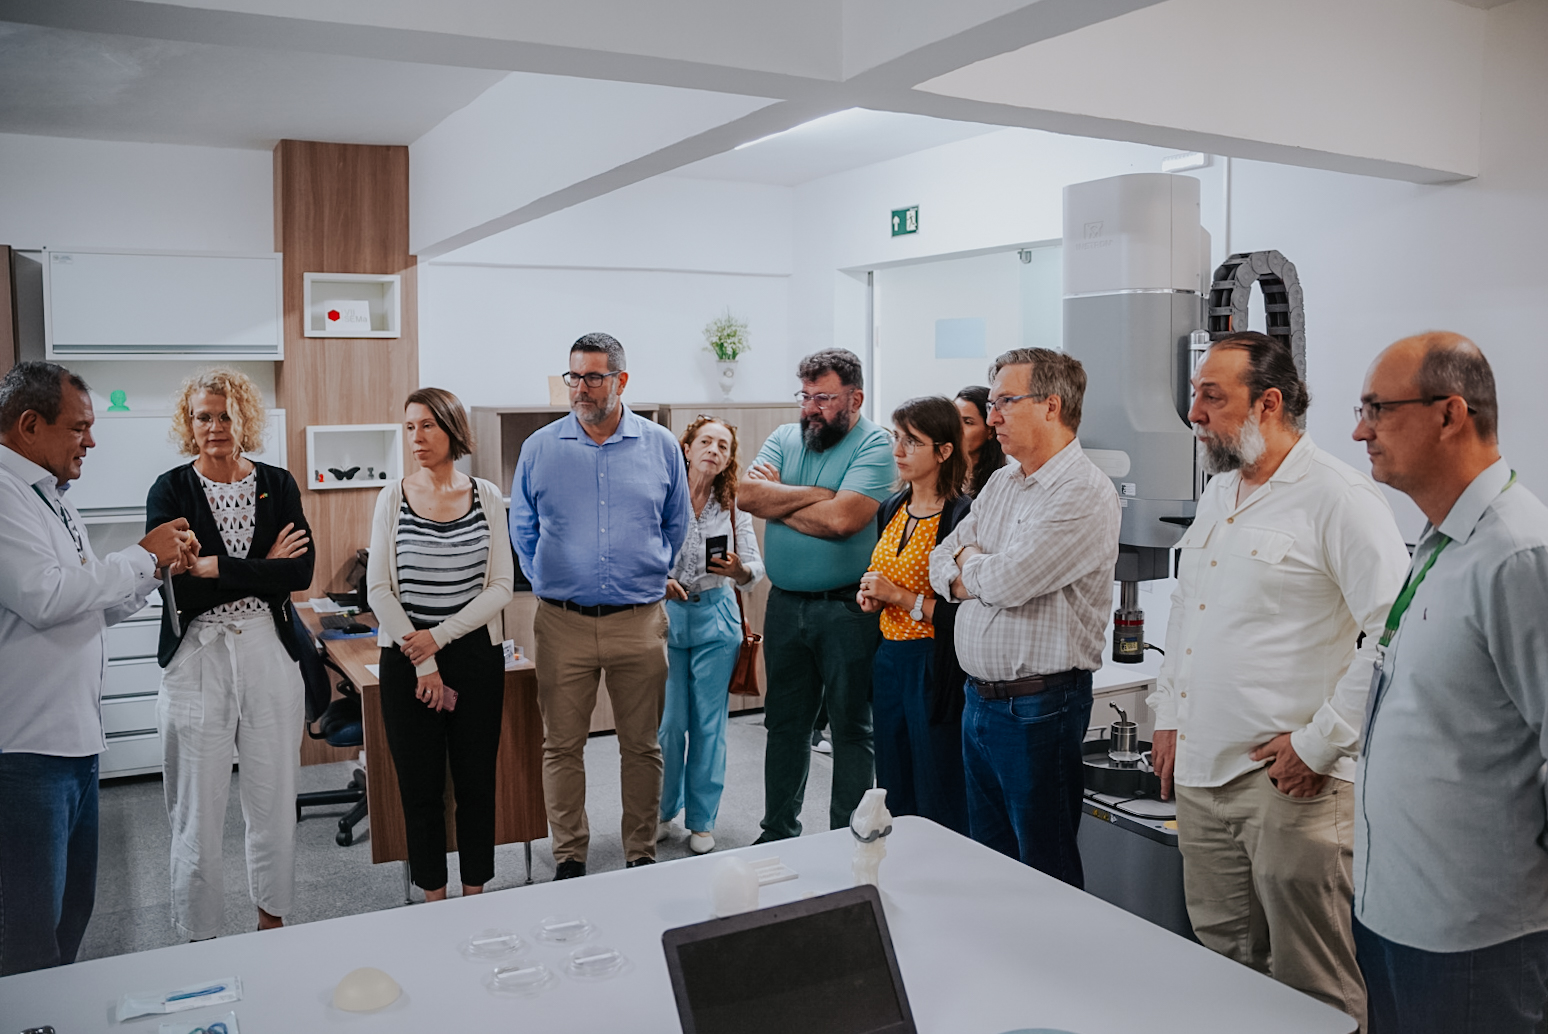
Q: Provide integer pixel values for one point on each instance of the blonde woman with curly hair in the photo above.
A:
(231, 681)
(704, 633)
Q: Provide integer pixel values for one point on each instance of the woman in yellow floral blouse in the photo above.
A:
(916, 681)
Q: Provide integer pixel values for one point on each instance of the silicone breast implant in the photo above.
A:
(365, 989)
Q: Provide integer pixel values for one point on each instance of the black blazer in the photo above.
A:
(178, 493)
(946, 697)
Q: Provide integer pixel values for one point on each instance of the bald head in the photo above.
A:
(1442, 364)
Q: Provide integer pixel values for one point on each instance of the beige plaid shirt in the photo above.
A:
(1044, 582)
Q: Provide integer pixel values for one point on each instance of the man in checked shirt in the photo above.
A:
(1037, 554)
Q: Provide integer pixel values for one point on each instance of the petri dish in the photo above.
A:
(595, 962)
(520, 980)
(491, 946)
(564, 930)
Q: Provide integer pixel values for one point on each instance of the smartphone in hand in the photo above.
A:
(715, 547)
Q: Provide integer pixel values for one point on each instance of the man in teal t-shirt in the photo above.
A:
(818, 483)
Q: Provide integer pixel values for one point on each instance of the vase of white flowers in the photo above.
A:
(726, 339)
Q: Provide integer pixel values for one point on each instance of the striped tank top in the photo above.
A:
(440, 564)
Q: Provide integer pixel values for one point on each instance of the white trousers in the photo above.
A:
(230, 686)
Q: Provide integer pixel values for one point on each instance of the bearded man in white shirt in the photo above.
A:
(1292, 556)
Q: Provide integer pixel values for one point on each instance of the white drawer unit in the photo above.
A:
(131, 755)
(132, 678)
(122, 716)
(132, 640)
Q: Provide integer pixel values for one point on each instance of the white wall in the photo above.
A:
(63, 193)
(1381, 260)
(650, 264)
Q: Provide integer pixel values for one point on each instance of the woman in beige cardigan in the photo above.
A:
(439, 575)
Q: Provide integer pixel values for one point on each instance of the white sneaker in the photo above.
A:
(663, 830)
(823, 747)
(701, 843)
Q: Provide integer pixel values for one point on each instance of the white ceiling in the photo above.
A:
(60, 82)
(834, 143)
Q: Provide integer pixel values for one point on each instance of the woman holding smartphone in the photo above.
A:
(704, 633)
(439, 575)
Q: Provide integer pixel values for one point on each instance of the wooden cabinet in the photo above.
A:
(501, 430)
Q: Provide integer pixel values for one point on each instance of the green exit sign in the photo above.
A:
(905, 220)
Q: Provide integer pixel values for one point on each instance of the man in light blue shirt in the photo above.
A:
(1450, 867)
(56, 599)
(599, 509)
(819, 483)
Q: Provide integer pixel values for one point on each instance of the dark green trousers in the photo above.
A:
(814, 649)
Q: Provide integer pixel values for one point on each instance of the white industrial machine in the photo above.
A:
(1136, 264)
(1140, 307)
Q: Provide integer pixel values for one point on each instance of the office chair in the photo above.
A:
(338, 722)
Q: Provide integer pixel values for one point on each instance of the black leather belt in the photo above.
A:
(1024, 687)
(600, 610)
(842, 594)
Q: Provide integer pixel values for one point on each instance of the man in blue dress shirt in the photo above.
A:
(599, 508)
(1450, 867)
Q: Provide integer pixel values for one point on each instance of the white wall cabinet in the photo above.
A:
(157, 305)
(133, 450)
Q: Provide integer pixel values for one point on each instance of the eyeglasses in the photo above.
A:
(822, 399)
(908, 441)
(1000, 404)
(1370, 412)
(593, 380)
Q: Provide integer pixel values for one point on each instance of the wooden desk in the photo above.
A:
(520, 816)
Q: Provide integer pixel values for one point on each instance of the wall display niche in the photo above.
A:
(353, 455)
(352, 305)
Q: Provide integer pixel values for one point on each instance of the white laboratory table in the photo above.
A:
(984, 943)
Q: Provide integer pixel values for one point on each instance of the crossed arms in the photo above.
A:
(819, 512)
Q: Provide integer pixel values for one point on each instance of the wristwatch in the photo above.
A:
(957, 553)
(918, 612)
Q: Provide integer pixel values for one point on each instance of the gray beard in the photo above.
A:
(1223, 454)
(822, 437)
(598, 413)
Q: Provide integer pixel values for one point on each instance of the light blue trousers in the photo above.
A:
(703, 640)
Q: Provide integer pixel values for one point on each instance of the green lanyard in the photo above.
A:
(1410, 586)
(1412, 583)
(75, 536)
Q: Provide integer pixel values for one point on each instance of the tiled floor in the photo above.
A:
(132, 889)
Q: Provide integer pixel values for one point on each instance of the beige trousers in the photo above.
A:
(572, 653)
(1268, 879)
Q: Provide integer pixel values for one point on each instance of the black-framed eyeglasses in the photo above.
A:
(593, 380)
(822, 399)
(1370, 411)
(908, 441)
(1003, 401)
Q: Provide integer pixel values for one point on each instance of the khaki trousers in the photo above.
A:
(572, 653)
(1269, 883)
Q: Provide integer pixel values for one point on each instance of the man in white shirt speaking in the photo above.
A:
(1292, 555)
(56, 598)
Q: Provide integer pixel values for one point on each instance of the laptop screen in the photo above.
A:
(815, 965)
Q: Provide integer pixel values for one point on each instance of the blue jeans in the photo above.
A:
(1024, 775)
(703, 640)
(919, 764)
(1501, 989)
(48, 858)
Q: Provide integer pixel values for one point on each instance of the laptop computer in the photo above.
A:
(823, 964)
